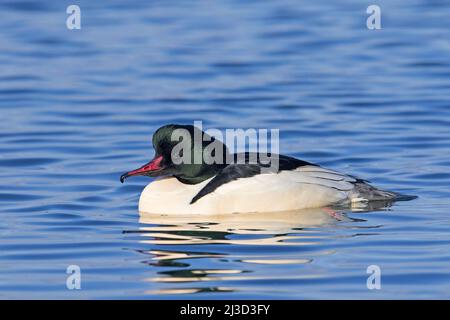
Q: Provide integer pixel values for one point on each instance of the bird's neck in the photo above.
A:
(207, 172)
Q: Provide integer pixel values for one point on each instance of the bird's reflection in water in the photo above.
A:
(237, 241)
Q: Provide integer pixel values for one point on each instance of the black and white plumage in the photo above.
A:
(248, 186)
(243, 166)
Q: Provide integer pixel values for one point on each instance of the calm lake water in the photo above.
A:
(78, 108)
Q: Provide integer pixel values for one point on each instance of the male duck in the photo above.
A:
(221, 188)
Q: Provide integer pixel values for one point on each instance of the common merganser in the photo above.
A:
(224, 188)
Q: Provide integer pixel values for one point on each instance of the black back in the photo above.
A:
(247, 169)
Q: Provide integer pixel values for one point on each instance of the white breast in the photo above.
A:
(306, 187)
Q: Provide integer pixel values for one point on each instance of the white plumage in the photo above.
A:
(305, 187)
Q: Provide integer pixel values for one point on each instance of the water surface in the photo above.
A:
(78, 108)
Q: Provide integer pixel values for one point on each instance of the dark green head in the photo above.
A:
(185, 152)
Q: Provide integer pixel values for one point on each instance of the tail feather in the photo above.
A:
(368, 192)
(404, 197)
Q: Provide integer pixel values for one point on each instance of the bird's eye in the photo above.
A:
(165, 146)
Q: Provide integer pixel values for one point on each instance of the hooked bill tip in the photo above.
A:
(123, 177)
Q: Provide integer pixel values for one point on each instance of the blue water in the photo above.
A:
(78, 108)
